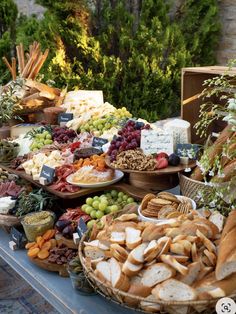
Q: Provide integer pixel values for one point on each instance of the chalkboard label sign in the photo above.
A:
(18, 237)
(47, 173)
(99, 142)
(82, 228)
(65, 117)
(187, 150)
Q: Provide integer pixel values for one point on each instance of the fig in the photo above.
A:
(174, 160)
(61, 224)
(68, 231)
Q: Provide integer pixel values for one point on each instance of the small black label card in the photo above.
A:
(18, 237)
(99, 141)
(65, 117)
(47, 173)
(82, 228)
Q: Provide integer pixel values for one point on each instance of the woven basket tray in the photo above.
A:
(191, 188)
(120, 297)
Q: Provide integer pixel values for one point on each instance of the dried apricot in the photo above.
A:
(33, 252)
(43, 254)
(47, 246)
(49, 234)
(30, 245)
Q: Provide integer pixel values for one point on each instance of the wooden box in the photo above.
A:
(191, 87)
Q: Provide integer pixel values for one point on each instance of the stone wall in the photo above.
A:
(227, 44)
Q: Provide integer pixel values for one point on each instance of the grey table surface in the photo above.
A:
(57, 290)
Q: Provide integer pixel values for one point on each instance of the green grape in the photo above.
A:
(84, 207)
(108, 210)
(99, 214)
(121, 194)
(88, 209)
(93, 213)
(49, 137)
(114, 193)
(114, 208)
(125, 197)
(91, 223)
(89, 201)
(119, 200)
(96, 198)
(130, 200)
(95, 204)
(102, 206)
(47, 142)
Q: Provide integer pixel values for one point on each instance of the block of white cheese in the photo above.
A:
(6, 203)
(180, 129)
(155, 141)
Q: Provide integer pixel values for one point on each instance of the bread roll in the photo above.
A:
(226, 262)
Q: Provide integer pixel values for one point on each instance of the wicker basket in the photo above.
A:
(191, 188)
(121, 297)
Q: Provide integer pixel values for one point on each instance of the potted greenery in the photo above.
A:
(216, 169)
(9, 104)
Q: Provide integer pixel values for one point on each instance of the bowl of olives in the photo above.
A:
(8, 151)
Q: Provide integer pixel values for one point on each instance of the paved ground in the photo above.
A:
(17, 297)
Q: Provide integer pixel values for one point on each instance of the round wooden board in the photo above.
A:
(44, 264)
(168, 170)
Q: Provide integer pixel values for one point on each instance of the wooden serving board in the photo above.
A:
(44, 264)
(9, 220)
(165, 171)
(137, 193)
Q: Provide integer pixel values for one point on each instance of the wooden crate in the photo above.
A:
(191, 87)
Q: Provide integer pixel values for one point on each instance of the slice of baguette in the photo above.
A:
(151, 246)
(208, 244)
(136, 256)
(130, 269)
(193, 272)
(157, 273)
(128, 217)
(174, 290)
(99, 244)
(119, 252)
(103, 271)
(137, 290)
(163, 245)
(118, 280)
(204, 272)
(218, 220)
(132, 237)
(170, 260)
(211, 256)
(117, 237)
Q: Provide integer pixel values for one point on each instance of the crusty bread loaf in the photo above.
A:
(209, 287)
(174, 290)
(157, 273)
(229, 224)
(226, 261)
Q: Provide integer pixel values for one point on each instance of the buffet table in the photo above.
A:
(57, 290)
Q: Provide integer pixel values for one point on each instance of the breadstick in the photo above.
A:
(8, 65)
(13, 61)
(19, 59)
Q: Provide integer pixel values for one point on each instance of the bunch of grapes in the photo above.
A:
(63, 134)
(98, 206)
(129, 138)
(41, 139)
(100, 125)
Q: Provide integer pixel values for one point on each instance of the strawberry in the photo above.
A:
(162, 163)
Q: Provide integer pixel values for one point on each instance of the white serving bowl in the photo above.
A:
(163, 221)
